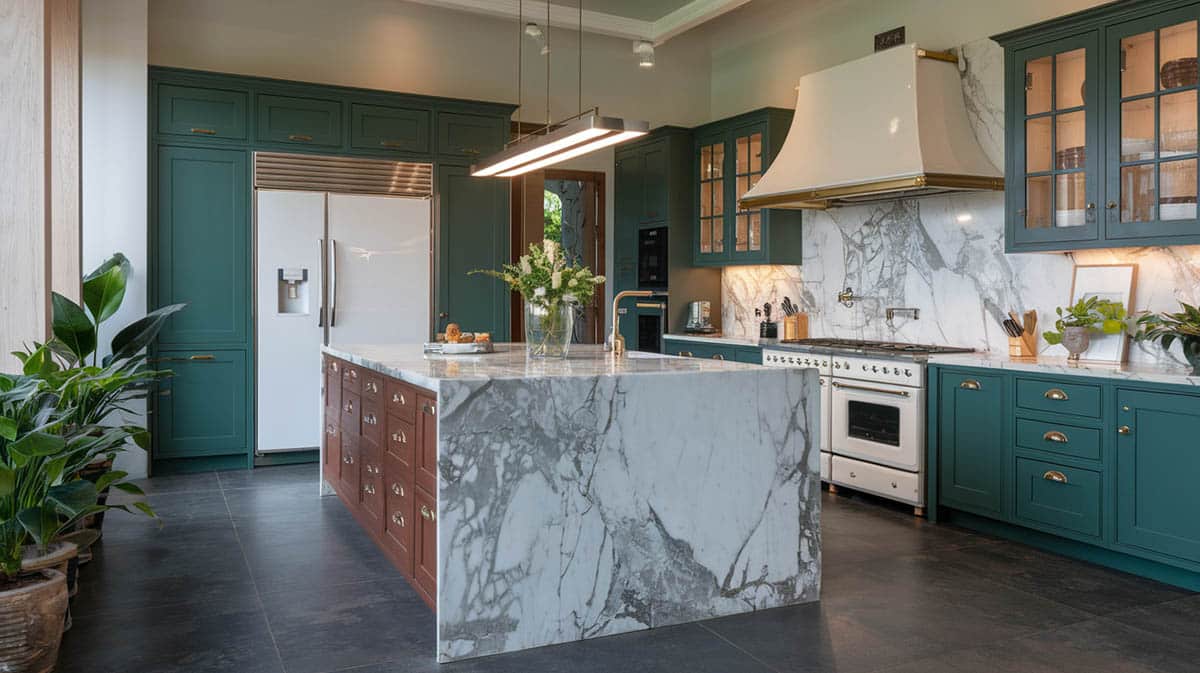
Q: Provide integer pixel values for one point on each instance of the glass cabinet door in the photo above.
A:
(712, 199)
(747, 169)
(1056, 112)
(1152, 122)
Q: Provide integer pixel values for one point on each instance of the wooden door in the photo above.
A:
(426, 456)
(971, 439)
(425, 555)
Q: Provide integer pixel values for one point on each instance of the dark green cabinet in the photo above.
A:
(971, 434)
(299, 121)
(692, 348)
(469, 136)
(655, 171)
(381, 127)
(201, 244)
(731, 155)
(1158, 469)
(202, 410)
(203, 112)
(473, 234)
(1101, 128)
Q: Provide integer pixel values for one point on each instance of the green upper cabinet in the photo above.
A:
(1158, 467)
(299, 121)
(208, 113)
(971, 434)
(470, 136)
(655, 173)
(379, 127)
(1102, 128)
(628, 179)
(731, 155)
(473, 214)
(200, 246)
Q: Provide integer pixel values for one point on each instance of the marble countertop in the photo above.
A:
(408, 362)
(1060, 365)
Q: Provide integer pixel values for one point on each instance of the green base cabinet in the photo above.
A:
(202, 409)
(689, 348)
(1101, 122)
(1100, 469)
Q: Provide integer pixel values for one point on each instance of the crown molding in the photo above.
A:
(691, 15)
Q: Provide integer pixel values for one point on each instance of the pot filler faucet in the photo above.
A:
(616, 342)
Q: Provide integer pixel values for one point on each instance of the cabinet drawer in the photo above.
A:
(351, 414)
(885, 481)
(401, 441)
(351, 380)
(401, 400)
(377, 127)
(398, 523)
(1067, 440)
(299, 121)
(372, 385)
(371, 488)
(372, 422)
(470, 136)
(330, 440)
(348, 468)
(1062, 497)
(333, 385)
(205, 113)
(1080, 399)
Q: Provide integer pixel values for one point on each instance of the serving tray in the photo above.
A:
(459, 349)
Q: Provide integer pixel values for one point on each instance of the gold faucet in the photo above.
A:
(616, 342)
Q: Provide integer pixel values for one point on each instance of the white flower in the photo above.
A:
(539, 292)
(548, 246)
(572, 282)
(525, 267)
(556, 280)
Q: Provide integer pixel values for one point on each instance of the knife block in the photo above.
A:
(1023, 347)
(795, 327)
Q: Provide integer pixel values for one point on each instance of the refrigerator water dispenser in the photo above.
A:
(293, 291)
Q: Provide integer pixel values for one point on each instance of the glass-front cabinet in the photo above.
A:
(1101, 128)
(731, 155)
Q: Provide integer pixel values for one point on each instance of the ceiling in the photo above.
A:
(641, 10)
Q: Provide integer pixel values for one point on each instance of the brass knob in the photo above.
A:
(1111, 205)
(397, 489)
(1124, 430)
(1055, 476)
(1056, 394)
(1055, 436)
(718, 356)
(1091, 205)
(398, 519)
(970, 384)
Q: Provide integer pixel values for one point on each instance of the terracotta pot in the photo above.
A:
(1076, 340)
(31, 622)
(59, 556)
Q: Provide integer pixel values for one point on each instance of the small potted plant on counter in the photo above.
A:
(1166, 328)
(1075, 324)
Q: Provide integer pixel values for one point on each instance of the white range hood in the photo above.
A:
(887, 126)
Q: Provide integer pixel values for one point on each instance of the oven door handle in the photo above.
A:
(885, 391)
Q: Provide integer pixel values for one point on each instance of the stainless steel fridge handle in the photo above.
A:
(321, 285)
(332, 283)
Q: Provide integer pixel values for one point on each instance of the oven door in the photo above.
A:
(879, 423)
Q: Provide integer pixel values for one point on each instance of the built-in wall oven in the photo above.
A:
(652, 258)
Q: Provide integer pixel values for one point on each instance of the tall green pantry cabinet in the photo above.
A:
(204, 131)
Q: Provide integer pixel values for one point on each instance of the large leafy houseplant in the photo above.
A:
(1167, 327)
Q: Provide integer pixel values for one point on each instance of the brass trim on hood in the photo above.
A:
(938, 55)
(820, 199)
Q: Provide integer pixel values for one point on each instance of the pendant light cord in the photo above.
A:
(581, 57)
(549, 55)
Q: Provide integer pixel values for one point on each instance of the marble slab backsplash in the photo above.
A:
(945, 256)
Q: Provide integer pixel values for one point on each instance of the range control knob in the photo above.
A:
(885, 370)
(874, 368)
(837, 365)
(864, 368)
(908, 373)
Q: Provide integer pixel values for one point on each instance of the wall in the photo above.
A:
(114, 158)
(945, 256)
(402, 46)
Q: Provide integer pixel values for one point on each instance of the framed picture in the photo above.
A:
(1115, 282)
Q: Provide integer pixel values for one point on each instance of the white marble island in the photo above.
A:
(591, 496)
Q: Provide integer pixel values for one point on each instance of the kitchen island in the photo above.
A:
(559, 500)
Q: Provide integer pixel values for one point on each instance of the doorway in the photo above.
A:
(567, 207)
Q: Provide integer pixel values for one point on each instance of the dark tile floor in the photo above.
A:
(252, 572)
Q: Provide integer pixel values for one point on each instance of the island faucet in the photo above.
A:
(616, 342)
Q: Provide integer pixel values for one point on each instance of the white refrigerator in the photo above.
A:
(330, 269)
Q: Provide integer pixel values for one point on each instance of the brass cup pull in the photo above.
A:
(398, 398)
(348, 459)
(428, 514)
(398, 519)
(353, 374)
(334, 367)
(300, 137)
(1055, 476)
(718, 356)
(1111, 205)
(1124, 430)
(348, 407)
(400, 437)
(685, 354)
(1055, 436)
(372, 387)
(1056, 394)
(202, 131)
(970, 384)
(429, 409)
(397, 489)
(368, 489)
(370, 419)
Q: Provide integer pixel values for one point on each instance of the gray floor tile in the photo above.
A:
(268, 477)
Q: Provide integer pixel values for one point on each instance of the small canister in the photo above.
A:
(768, 329)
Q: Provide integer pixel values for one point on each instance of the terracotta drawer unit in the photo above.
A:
(425, 547)
(426, 451)
(372, 385)
(401, 400)
(401, 441)
(348, 477)
(372, 421)
(331, 440)
(351, 379)
(398, 524)
(371, 486)
(333, 383)
(351, 413)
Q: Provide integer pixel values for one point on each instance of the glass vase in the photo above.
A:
(548, 330)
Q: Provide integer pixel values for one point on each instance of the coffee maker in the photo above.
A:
(699, 319)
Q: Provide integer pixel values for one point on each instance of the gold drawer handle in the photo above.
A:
(1124, 430)
(207, 132)
(1055, 436)
(429, 409)
(428, 514)
(1056, 394)
(334, 366)
(1055, 476)
(372, 387)
(348, 459)
(370, 419)
(718, 356)
(400, 437)
(300, 137)
(399, 398)
(970, 384)
(390, 143)
(348, 407)
(468, 150)
(353, 373)
(685, 354)
(398, 519)
(368, 489)
(397, 489)
(202, 357)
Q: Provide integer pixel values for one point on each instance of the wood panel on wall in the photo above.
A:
(39, 159)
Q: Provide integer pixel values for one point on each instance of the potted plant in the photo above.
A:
(1075, 324)
(1167, 327)
(552, 290)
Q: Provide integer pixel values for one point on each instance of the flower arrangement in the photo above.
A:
(1167, 327)
(543, 278)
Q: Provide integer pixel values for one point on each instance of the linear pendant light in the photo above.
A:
(554, 143)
